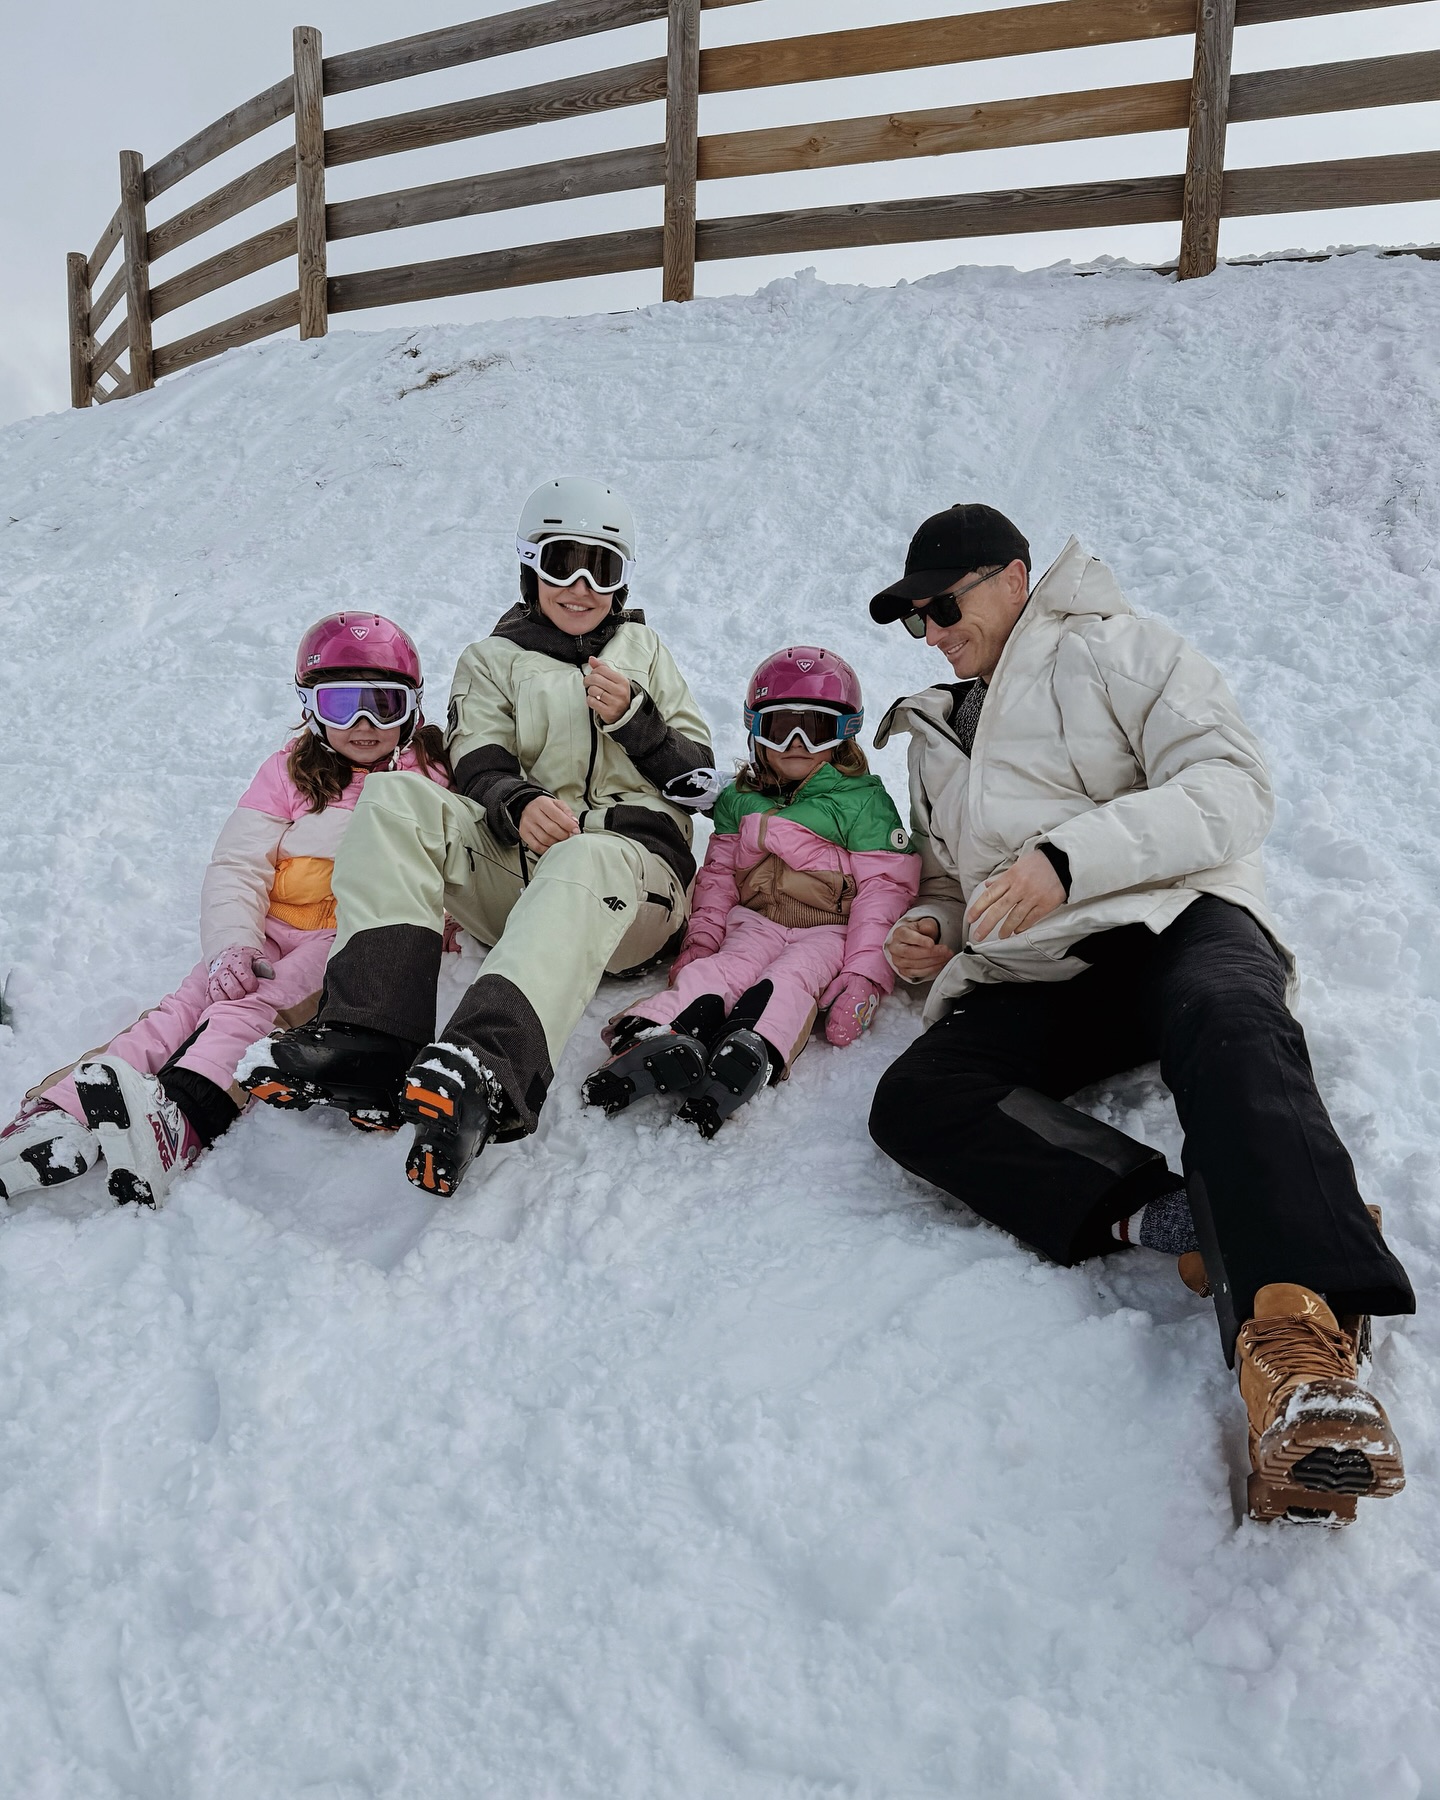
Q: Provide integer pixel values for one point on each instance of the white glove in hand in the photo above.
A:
(696, 790)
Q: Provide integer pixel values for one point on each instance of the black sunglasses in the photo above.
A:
(944, 609)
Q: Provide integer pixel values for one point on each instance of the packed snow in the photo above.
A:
(648, 1466)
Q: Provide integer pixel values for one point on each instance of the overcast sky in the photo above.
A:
(79, 81)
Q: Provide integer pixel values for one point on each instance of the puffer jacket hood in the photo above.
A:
(1106, 735)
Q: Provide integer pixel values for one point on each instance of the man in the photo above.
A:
(1090, 808)
(559, 847)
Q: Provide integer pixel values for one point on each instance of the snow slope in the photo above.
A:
(650, 1467)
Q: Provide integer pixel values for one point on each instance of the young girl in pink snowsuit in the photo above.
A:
(165, 1088)
(807, 870)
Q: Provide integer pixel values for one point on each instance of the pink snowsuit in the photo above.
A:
(267, 889)
(742, 946)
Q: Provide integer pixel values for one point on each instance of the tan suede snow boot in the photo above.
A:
(1318, 1440)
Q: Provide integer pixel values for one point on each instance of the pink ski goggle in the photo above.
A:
(817, 727)
(344, 703)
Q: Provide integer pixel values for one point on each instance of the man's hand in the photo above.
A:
(916, 951)
(607, 691)
(546, 821)
(1027, 892)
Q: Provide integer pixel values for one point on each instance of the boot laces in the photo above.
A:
(1296, 1348)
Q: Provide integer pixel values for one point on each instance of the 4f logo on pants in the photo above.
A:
(615, 903)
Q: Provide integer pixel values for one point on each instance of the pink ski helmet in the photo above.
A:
(806, 676)
(357, 640)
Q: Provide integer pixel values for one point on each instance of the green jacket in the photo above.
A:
(853, 811)
(519, 727)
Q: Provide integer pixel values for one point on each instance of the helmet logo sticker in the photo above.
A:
(360, 631)
(804, 664)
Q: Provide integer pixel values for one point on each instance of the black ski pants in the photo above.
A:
(974, 1106)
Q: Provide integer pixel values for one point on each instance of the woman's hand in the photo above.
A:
(1027, 892)
(916, 951)
(607, 691)
(546, 821)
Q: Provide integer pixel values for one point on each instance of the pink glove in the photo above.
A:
(691, 953)
(235, 973)
(450, 942)
(852, 1001)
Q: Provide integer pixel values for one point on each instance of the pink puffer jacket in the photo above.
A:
(886, 883)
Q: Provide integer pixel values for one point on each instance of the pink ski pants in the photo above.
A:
(229, 1026)
(799, 963)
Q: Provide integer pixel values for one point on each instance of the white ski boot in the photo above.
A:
(43, 1146)
(145, 1137)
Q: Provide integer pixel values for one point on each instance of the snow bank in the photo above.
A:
(652, 1467)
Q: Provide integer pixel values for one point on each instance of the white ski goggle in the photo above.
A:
(562, 561)
(344, 703)
(817, 727)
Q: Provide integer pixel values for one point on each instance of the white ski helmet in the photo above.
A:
(575, 506)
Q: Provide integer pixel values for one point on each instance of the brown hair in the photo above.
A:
(759, 778)
(322, 774)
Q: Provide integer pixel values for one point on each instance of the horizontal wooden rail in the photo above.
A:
(259, 322)
(244, 122)
(1321, 186)
(1154, 199)
(980, 37)
(576, 97)
(218, 271)
(926, 43)
(270, 177)
(557, 22)
(106, 248)
(1335, 87)
(529, 264)
(109, 353)
(947, 130)
(609, 172)
(428, 51)
(1059, 118)
(105, 305)
(1281, 12)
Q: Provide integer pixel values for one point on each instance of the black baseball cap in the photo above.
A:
(948, 545)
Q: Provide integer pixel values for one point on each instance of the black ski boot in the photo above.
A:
(454, 1103)
(656, 1059)
(346, 1066)
(739, 1067)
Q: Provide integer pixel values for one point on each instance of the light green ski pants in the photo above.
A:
(597, 903)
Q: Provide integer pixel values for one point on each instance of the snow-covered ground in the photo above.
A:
(650, 1467)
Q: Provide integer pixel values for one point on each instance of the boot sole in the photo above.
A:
(443, 1149)
(1332, 1459)
(1269, 1501)
(718, 1098)
(290, 1094)
(106, 1113)
(651, 1066)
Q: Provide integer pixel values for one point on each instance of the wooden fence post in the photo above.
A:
(1205, 154)
(682, 148)
(310, 181)
(137, 269)
(77, 276)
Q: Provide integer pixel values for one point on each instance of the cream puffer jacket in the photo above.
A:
(1106, 735)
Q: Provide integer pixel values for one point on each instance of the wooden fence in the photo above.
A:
(1197, 200)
